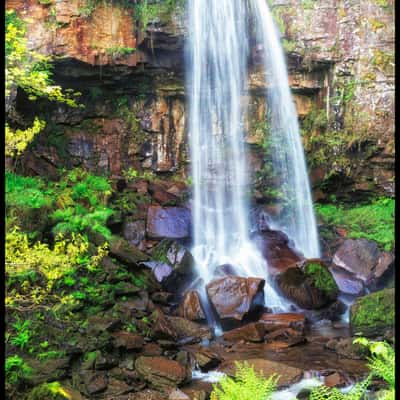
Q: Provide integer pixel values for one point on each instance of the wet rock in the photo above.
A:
(178, 395)
(234, 297)
(253, 332)
(310, 287)
(287, 335)
(168, 222)
(147, 394)
(128, 340)
(105, 361)
(335, 380)
(190, 307)
(134, 231)
(95, 383)
(99, 324)
(161, 196)
(274, 322)
(126, 252)
(163, 298)
(161, 270)
(224, 270)
(206, 359)
(161, 327)
(275, 248)
(287, 374)
(160, 372)
(347, 282)
(363, 258)
(346, 348)
(117, 387)
(51, 370)
(151, 349)
(185, 328)
(373, 314)
(173, 265)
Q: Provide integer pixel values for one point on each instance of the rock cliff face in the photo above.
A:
(341, 65)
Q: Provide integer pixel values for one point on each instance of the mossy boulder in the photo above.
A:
(373, 314)
(311, 285)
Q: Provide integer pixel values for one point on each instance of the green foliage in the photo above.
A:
(373, 221)
(23, 333)
(31, 72)
(382, 360)
(146, 12)
(49, 391)
(16, 370)
(321, 277)
(118, 51)
(326, 393)
(308, 4)
(247, 385)
(78, 200)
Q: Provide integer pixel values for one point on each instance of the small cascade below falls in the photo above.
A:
(217, 75)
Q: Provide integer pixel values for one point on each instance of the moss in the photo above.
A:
(373, 313)
(376, 25)
(321, 278)
(49, 391)
(383, 61)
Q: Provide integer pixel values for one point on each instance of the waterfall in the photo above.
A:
(217, 58)
(297, 219)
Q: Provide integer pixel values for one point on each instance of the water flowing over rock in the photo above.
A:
(234, 297)
(275, 248)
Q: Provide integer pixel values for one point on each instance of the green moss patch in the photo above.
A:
(373, 314)
(374, 221)
(321, 278)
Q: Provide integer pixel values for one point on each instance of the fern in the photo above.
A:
(247, 385)
(326, 393)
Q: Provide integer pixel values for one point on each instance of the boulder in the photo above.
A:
(185, 329)
(363, 258)
(373, 314)
(347, 282)
(310, 286)
(287, 374)
(190, 307)
(275, 248)
(125, 252)
(160, 372)
(161, 196)
(134, 231)
(234, 297)
(206, 359)
(128, 340)
(253, 332)
(273, 322)
(173, 264)
(168, 222)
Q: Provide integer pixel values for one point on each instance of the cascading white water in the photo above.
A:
(216, 79)
(218, 51)
(297, 219)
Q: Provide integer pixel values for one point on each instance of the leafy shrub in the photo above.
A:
(247, 385)
(373, 221)
(16, 370)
